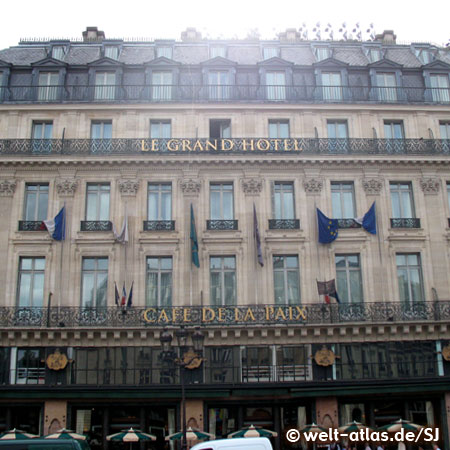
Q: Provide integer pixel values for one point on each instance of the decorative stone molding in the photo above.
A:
(190, 186)
(430, 186)
(372, 186)
(313, 185)
(251, 186)
(128, 187)
(66, 187)
(7, 188)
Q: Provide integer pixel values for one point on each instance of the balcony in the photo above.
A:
(31, 225)
(405, 223)
(159, 225)
(244, 146)
(96, 225)
(284, 224)
(222, 94)
(221, 225)
(348, 223)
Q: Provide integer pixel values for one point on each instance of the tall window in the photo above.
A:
(343, 200)
(94, 282)
(36, 202)
(219, 85)
(270, 52)
(322, 53)
(410, 281)
(221, 201)
(394, 134)
(162, 82)
(283, 201)
(223, 280)
(160, 129)
(97, 201)
(111, 51)
(219, 128)
(332, 86)
(164, 51)
(41, 136)
(159, 201)
(159, 281)
(48, 86)
(444, 128)
(402, 200)
(387, 87)
(105, 85)
(30, 366)
(337, 135)
(30, 291)
(101, 134)
(348, 277)
(374, 54)
(217, 50)
(286, 280)
(279, 129)
(276, 85)
(58, 52)
(440, 89)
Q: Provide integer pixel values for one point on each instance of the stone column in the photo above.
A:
(55, 415)
(194, 414)
(327, 412)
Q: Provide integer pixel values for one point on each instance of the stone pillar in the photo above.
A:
(327, 412)
(194, 414)
(55, 415)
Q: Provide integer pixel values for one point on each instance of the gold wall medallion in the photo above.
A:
(57, 361)
(324, 357)
(446, 352)
(191, 360)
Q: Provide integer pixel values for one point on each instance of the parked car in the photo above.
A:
(258, 443)
(44, 444)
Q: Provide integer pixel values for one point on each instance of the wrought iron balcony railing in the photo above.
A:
(222, 225)
(284, 224)
(159, 225)
(306, 314)
(96, 225)
(247, 146)
(405, 223)
(348, 223)
(222, 93)
(31, 225)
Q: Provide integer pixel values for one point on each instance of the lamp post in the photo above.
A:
(189, 359)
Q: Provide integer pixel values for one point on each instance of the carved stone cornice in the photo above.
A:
(190, 186)
(430, 186)
(66, 187)
(128, 187)
(313, 185)
(7, 188)
(251, 186)
(372, 186)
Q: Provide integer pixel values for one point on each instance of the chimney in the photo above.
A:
(291, 35)
(191, 35)
(93, 35)
(387, 37)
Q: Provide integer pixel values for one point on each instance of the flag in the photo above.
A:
(327, 228)
(57, 226)
(194, 241)
(123, 236)
(328, 289)
(130, 296)
(116, 294)
(124, 295)
(257, 238)
(369, 220)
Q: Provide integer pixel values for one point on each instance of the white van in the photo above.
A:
(258, 443)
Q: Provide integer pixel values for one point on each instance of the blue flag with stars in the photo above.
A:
(327, 228)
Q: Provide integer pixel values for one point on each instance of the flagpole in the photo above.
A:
(316, 228)
(255, 260)
(379, 254)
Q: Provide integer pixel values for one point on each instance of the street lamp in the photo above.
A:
(189, 359)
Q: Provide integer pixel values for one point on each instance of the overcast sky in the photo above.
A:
(412, 20)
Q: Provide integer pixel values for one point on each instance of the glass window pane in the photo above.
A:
(229, 262)
(342, 287)
(102, 263)
(88, 290)
(104, 206)
(227, 206)
(278, 281)
(291, 261)
(152, 263)
(152, 288)
(42, 206)
(278, 262)
(166, 289)
(166, 263)
(293, 287)
(24, 289)
(215, 287)
(102, 284)
(215, 205)
(153, 206)
(229, 279)
(39, 264)
(355, 286)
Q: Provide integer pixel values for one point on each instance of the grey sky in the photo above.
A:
(411, 20)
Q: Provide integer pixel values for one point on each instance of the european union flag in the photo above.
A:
(327, 228)
(194, 241)
(369, 221)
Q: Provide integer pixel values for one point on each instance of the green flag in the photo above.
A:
(194, 241)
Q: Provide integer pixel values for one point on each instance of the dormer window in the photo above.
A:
(165, 51)
(111, 51)
(424, 54)
(322, 53)
(373, 54)
(58, 52)
(270, 52)
(218, 50)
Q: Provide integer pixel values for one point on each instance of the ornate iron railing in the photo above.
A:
(31, 225)
(159, 225)
(222, 93)
(306, 314)
(348, 223)
(405, 223)
(284, 224)
(182, 146)
(96, 225)
(222, 225)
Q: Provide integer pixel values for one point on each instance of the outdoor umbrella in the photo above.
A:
(65, 434)
(16, 434)
(252, 431)
(352, 426)
(313, 428)
(192, 434)
(399, 425)
(131, 436)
